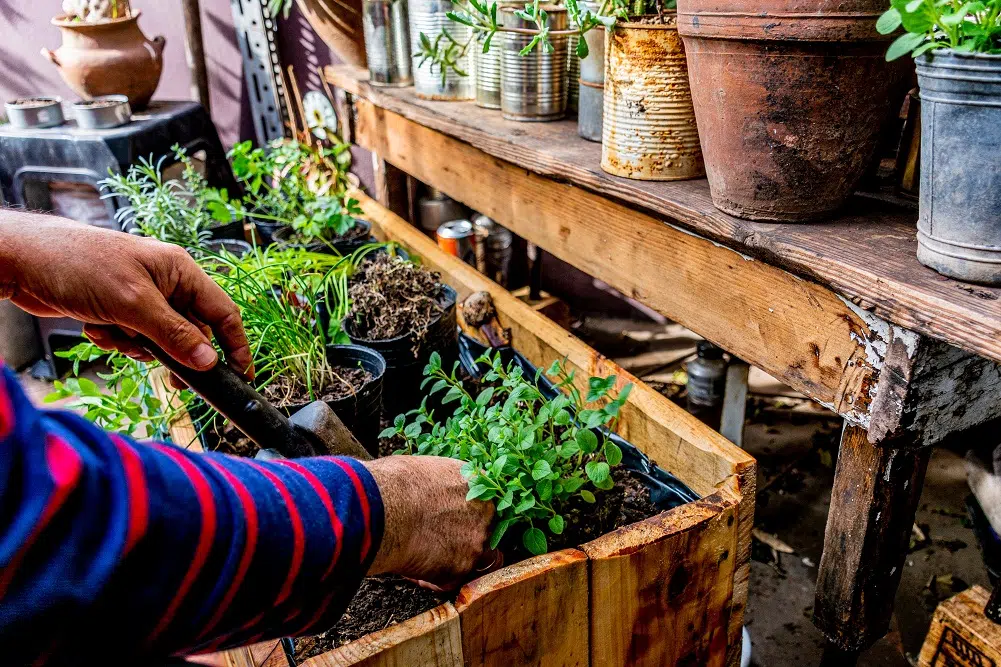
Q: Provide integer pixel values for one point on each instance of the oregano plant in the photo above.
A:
(528, 454)
(969, 27)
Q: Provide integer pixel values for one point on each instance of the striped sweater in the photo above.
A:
(135, 551)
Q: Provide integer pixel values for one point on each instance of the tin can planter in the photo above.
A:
(649, 130)
(488, 78)
(591, 88)
(533, 87)
(35, 113)
(787, 128)
(430, 18)
(959, 219)
(387, 42)
(573, 73)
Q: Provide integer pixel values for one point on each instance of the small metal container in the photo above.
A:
(573, 73)
(430, 18)
(493, 249)
(533, 87)
(102, 113)
(457, 238)
(35, 112)
(387, 42)
(488, 77)
(436, 209)
(591, 102)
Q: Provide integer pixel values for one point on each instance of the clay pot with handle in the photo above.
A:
(108, 57)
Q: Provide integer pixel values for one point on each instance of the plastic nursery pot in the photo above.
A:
(406, 356)
(534, 86)
(265, 232)
(231, 231)
(649, 130)
(790, 97)
(959, 219)
(356, 237)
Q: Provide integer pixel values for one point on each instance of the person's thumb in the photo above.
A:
(178, 337)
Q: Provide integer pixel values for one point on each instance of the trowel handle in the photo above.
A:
(237, 401)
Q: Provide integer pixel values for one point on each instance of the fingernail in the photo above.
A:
(203, 356)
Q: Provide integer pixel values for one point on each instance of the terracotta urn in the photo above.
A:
(108, 57)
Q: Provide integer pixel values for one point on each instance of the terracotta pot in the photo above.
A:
(339, 25)
(649, 130)
(108, 57)
(790, 97)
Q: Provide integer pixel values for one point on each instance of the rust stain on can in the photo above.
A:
(649, 129)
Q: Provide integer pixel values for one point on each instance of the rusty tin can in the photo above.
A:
(649, 131)
(430, 18)
(534, 86)
(458, 239)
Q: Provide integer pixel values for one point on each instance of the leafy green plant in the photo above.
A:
(968, 27)
(528, 454)
(127, 401)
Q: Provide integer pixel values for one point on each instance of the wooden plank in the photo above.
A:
(531, 613)
(676, 440)
(960, 634)
(867, 254)
(182, 431)
(876, 492)
(432, 639)
(794, 329)
(661, 589)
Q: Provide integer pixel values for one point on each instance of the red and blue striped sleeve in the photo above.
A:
(158, 551)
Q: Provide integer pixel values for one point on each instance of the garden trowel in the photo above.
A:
(313, 431)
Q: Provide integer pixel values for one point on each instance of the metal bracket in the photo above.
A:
(256, 29)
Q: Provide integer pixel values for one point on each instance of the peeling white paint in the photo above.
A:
(889, 468)
(746, 258)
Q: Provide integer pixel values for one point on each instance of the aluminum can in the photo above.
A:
(573, 73)
(436, 209)
(429, 17)
(533, 87)
(494, 244)
(387, 42)
(457, 238)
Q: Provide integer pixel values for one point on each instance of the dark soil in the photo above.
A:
(344, 382)
(229, 439)
(32, 102)
(356, 233)
(391, 297)
(97, 104)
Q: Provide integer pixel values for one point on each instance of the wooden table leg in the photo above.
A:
(875, 495)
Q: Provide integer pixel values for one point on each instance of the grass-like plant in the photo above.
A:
(528, 454)
(967, 27)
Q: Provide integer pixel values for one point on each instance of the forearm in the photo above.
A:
(175, 552)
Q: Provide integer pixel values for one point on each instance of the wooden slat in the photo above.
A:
(794, 329)
(661, 589)
(432, 639)
(182, 431)
(868, 253)
(532, 613)
(960, 634)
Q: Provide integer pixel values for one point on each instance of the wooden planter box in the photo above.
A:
(670, 590)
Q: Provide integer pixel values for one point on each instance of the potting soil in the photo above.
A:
(391, 297)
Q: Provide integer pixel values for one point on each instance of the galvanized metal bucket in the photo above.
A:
(429, 17)
(959, 219)
(573, 73)
(387, 42)
(533, 87)
(591, 102)
(649, 123)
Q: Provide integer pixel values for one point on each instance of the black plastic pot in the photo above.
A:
(344, 246)
(265, 232)
(361, 412)
(406, 356)
(233, 247)
(231, 230)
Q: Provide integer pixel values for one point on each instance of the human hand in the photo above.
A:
(118, 285)
(432, 533)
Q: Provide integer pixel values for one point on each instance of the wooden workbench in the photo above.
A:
(841, 311)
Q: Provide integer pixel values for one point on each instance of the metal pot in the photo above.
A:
(573, 73)
(102, 113)
(649, 128)
(591, 95)
(387, 42)
(430, 18)
(35, 113)
(788, 127)
(959, 219)
(533, 87)
(488, 77)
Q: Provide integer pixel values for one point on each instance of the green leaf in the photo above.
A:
(506, 501)
(587, 441)
(598, 388)
(561, 418)
(525, 505)
(412, 431)
(544, 488)
(485, 396)
(597, 471)
(479, 492)
(499, 532)
(556, 525)
(388, 433)
(582, 50)
(399, 421)
(88, 387)
(453, 395)
(535, 541)
(904, 44)
(613, 453)
(541, 470)
(588, 497)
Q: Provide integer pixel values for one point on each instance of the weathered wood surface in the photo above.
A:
(531, 613)
(676, 440)
(432, 639)
(960, 634)
(868, 253)
(661, 589)
(875, 495)
(182, 431)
